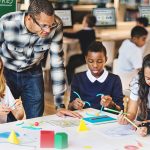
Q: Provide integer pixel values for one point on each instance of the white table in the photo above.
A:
(97, 138)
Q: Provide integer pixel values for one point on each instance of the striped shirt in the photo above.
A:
(21, 50)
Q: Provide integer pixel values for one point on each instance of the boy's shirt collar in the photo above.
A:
(101, 79)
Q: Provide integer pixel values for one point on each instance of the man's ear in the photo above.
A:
(29, 17)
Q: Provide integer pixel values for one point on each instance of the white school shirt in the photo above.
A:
(8, 100)
(130, 57)
(134, 87)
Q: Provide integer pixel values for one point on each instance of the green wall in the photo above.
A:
(7, 6)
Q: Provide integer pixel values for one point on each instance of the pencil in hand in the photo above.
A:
(131, 122)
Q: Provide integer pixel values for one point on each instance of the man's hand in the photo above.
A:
(64, 112)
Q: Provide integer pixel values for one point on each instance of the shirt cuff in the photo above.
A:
(133, 97)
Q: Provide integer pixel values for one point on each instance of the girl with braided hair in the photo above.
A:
(139, 104)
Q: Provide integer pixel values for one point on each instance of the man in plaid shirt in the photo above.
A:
(24, 39)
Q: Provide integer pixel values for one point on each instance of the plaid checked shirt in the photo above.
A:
(21, 50)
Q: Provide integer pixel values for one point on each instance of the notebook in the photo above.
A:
(100, 119)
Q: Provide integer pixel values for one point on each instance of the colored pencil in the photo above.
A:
(130, 122)
(80, 98)
(112, 110)
(101, 109)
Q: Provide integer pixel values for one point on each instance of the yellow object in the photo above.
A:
(97, 114)
(125, 103)
(88, 147)
(82, 126)
(13, 138)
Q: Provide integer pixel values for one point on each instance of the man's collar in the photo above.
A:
(101, 79)
(23, 28)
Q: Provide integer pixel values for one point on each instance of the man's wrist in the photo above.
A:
(60, 106)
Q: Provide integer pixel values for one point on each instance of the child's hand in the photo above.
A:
(4, 109)
(142, 131)
(18, 104)
(78, 104)
(62, 112)
(106, 101)
(121, 119)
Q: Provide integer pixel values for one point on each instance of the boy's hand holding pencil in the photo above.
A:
(77, 104)
(106, 101)
(121, 119)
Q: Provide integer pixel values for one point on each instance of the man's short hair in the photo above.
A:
(38, 6)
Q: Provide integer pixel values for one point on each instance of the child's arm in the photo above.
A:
(76, 102)
(14, 105)
(64, 112)
(116, 94)
(73, 35)
(4, 109)
(18, 110)
(107, 101)
(132, 111)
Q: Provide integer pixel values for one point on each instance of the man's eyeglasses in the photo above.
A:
(45, 27)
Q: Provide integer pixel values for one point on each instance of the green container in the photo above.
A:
(61, 140)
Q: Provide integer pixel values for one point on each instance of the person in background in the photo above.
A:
(96, 87)
(7, 102)
(131, 51)
(85, 36)
(142, 21)
(139, 103)
(24, 39)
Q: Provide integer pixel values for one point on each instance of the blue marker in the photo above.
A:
(100, 94)
(80, 98)
(77, 94)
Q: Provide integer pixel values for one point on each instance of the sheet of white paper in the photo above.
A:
(118, 131)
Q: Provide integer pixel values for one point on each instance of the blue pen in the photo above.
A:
(100, 94)
(80, 98)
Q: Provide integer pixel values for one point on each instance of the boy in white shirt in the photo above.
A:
(131, 51)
